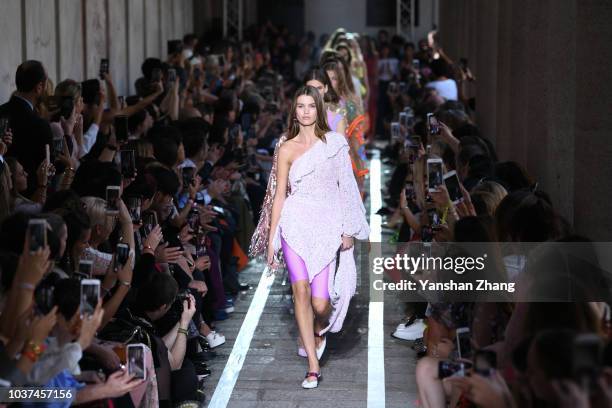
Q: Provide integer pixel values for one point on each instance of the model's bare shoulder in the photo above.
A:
(285, 151)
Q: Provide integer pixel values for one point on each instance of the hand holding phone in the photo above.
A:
(104, 67)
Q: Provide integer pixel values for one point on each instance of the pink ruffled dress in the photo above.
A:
(323, 202)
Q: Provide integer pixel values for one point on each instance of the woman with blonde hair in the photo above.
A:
(102, 224)
(354, 115)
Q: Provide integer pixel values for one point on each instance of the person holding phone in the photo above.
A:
(30, 131)
(445, 86)
(19, 178)
(102, 224)
(314, 164)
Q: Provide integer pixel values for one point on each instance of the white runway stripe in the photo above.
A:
(376, 351)
(228, 379)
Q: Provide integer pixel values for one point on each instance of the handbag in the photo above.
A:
(126, 330)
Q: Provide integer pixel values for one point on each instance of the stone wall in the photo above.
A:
(543, 94)
(71, 36)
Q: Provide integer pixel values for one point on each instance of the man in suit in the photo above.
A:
(30, 132)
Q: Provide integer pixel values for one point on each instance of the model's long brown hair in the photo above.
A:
(321, 126)
(345, 82)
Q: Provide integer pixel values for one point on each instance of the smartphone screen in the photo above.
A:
(149, 221)
(434, 127)
(451, 181)
(4, 124)
(156, 75)
(67, 106)
(464, 344)
(450, 369)
(136, 361)
(403, 120)
(85, 270)
(171, 75)
(90, 293)
(122, 255)
(37, 234)
(58, 146)
(128, 163)
(112, 196)
(134, 207)
(434, 174)
(103, 67)
(121, 128)
(484, 362)
(395, 132)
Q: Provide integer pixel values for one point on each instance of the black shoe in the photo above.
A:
(203, 356)
(244, 287)
(201, 397)
(384, 211)
(201, 369)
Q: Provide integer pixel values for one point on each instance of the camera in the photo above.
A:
(452, 369)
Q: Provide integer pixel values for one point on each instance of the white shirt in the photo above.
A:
(89, 139)
(446, 89)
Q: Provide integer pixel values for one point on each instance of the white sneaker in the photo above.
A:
(229, 309)
(215, 339)
(410, 332)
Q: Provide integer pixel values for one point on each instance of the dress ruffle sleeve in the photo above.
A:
(354, 222)
(342, 284)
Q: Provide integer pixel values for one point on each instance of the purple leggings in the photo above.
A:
(297, 272)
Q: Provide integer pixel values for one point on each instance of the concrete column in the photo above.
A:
(561, 103)
(504, 42)
(178, 23)
(118, 44)
(593, 123)
(136, 47)
(40, 39)
(10, 12)
(188, 16)
(167, 32)
(485, 66)
(95, 30)
(152, 29)
(70, 45)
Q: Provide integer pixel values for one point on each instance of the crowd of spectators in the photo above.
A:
(545, 344)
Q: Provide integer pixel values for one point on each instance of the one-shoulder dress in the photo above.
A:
(322, 204)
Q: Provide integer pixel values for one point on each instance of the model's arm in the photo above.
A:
(282, 175)
(341, 128)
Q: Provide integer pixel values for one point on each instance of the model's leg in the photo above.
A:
(320, 300)
(298, 274)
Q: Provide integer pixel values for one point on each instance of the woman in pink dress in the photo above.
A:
(316, 213)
